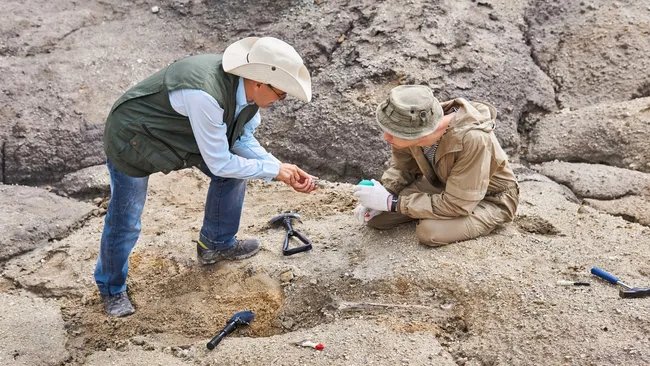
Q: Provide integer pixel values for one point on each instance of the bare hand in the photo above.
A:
(288, 174)
(306, 182)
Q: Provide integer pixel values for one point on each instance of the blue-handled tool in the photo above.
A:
(366, 182)
(629, 292)
(609, 277)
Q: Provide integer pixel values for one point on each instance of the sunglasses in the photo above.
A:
(280, 96)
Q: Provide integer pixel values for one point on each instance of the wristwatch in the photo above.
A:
(393, 203)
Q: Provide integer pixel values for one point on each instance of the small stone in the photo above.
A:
(251, 271)
(155, 9)
(286, 276)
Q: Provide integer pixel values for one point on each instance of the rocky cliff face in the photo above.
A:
(569, 80)
(528, 58)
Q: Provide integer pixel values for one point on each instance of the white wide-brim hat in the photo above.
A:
(269, 60)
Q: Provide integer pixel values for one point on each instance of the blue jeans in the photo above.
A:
(122, 223)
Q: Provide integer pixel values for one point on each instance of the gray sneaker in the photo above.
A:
(118, 305)
(242, 249)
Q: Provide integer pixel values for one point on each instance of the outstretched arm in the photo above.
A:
(248, 146)
(206, 119)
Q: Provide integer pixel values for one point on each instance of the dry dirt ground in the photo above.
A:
(569, 81)
(370, 297)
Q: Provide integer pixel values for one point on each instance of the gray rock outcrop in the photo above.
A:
(594, 51)
(631, 208)
(29, 217)
(596, 181)
(612, 134)
(94, 180)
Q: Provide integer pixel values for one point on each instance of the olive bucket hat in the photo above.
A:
(410, 112)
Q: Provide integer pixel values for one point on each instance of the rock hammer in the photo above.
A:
(627, 291)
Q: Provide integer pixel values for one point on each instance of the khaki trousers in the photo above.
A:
(491, 212)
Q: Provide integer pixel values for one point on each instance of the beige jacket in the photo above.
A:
(470, 165)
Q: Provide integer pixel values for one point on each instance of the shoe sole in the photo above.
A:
(121, 314)
(223, 258)
(205, 262)
(237, 258)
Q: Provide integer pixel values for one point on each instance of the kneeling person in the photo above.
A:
(448, 170)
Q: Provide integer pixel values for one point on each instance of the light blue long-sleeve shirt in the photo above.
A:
(247, 159)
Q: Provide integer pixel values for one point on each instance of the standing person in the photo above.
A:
(199, 111)
(448, 170)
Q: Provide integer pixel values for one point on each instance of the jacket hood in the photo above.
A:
(473, 115)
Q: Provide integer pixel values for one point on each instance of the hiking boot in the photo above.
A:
(118, 305)
(242, 249)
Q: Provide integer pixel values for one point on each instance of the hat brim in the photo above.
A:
(235, 62)
(384, 121)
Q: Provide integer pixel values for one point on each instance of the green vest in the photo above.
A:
(145, 135)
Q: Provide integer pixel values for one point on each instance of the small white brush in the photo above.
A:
(307, 343)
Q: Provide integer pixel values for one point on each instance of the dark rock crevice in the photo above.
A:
(528, 39)
(526, 123)
(3, 163)
(628, 218)
(643, 91)
(341, 39)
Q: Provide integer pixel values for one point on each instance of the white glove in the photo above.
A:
(374, 197)
(363, 214)
(360, 214)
